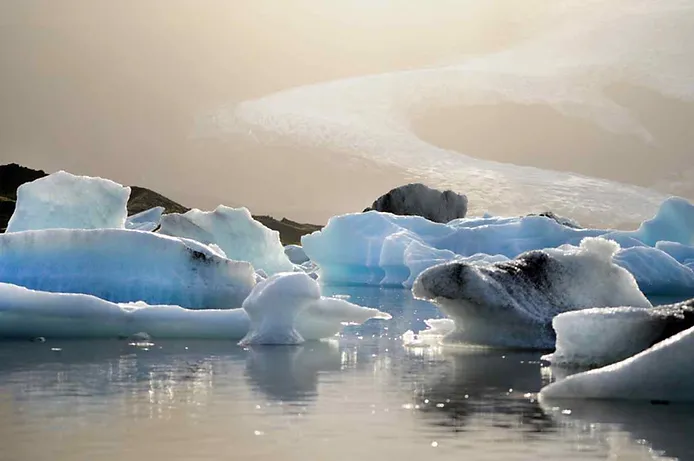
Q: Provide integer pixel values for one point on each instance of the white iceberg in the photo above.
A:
(600, 336)
(512, 304)
(234, 230)
(275, 305)
(661, 373)
(65, 201)
(121, 265)
(27, 314)
(146, 221)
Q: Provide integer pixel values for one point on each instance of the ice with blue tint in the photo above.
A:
(656, 272)
(234, 230)
(682, 253)
(65, 201)
(296, 254)
(26, 314)
(121, 265)
(147, 220)
(673, 223)
(383, 249)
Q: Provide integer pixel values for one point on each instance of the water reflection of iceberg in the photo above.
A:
(664, 428)
(290, 374)
(487, 384)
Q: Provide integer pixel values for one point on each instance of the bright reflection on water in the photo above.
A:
(362, 396)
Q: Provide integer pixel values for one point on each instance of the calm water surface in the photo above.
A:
(362, 396)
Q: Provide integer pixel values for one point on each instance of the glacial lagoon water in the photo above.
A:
(361, 396)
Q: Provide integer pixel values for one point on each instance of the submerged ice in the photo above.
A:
(512, 304)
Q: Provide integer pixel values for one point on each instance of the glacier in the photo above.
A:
(122, 265)
(375, 248)
(275, 304)
(512, 304)
(235, 231)
(65, 201)
(28, 314)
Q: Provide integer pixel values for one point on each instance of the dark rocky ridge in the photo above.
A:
(12, 176)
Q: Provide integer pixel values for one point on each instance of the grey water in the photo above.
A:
(363, 395)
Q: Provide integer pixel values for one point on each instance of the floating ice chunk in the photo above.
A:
(146, 221)
(372, 248)
(275, 303)
(596, 337)
(420, 200)
(123, 266)
(674, 222)
(682, 253)
(26, 314)
(174, 322)
(296, 254)
(241, 237)
(511, 304)
(436, 330)
(383, 249)
(65, 201)
(327, 316)
(660, 373)
(656, 272)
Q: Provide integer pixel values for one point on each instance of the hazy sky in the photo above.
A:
(116, 89)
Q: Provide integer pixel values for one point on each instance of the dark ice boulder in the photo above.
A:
(420, 200)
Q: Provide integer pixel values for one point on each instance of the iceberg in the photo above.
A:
(674, 222)
(275, 304)
(601, 336)
(234, 230)
(121, 265)
(656, 272)
(27, 314)
(146, 221)
(357, 248)
(512, 304)
(296, 254)
(65, 201)
(383, 249)
(420, 200)
(661, 373)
